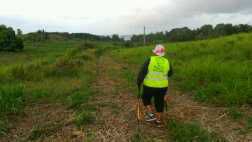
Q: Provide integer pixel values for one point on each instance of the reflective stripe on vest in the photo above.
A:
(157, 72)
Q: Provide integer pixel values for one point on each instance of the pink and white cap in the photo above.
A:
(159, 50)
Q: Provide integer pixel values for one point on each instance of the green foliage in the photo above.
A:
(186, 34)
(8, 39)
(190, 132)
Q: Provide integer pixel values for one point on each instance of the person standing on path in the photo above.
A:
(154, 76)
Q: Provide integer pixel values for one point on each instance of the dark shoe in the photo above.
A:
(149, 117)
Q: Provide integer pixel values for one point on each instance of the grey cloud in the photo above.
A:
(192, 13)
(176, 13)
(214, 6)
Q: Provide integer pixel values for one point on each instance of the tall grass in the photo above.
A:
(53, 72)
(11, 98)
(216, 71)
(11, 102)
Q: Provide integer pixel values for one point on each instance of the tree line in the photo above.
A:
(187, 34)
(9, 41)
(42, 35)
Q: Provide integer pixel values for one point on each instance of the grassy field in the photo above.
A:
(52, 72)
(216, 71)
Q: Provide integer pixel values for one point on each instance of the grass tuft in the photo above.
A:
(190, 132)
(84, 118)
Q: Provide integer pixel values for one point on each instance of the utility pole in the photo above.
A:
(144, 35)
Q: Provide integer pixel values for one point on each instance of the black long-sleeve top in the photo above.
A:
(144, 70)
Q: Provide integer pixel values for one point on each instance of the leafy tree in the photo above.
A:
(8, 39)
(115, 37)
(204, 32)
(186, 34)
(19, 32)
(180, 34)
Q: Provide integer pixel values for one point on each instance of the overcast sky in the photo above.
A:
(121, 16)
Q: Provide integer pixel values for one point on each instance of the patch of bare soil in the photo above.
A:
(214, 119)
(44, 122)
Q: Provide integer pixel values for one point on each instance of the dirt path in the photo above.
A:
(116, 121)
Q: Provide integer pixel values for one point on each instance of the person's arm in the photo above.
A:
(170, 73)
(142, 73)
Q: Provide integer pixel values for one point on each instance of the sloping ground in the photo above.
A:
(116, 119)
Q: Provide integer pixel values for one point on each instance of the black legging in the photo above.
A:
(157, 93)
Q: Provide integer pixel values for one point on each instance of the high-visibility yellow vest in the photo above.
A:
(157, 76)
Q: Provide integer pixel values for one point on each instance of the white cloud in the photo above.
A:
(120, 16)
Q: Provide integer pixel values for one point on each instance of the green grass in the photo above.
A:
(84, 118)
(11, 102)
(44, 130)
(235, 113)
(190, 132)
(249, 124)
(11, 98)
(216, 71)
(137, 137)
(51, 72)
